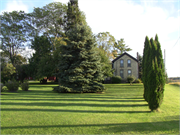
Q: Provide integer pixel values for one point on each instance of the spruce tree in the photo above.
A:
(80, 69)
(74, 15)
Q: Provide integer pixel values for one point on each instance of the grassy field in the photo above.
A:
(121, 110)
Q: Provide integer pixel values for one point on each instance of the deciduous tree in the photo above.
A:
(15, 30)
(120, 47)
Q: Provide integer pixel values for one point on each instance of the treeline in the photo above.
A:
(44, 30)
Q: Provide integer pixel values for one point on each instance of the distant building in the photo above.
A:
(125, 65)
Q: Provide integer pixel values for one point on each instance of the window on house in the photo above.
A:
(122, 73)
(121, 63)
(128, 63)
(129, 72)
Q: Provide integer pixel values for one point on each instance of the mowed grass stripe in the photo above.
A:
(121, 110)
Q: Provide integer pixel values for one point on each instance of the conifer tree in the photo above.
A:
(159, 54)
(80, 69)
(145, 66)
(152, 82)
(154, 73)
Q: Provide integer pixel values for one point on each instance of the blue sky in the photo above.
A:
(128, 19)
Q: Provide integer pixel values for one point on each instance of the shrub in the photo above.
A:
(25, 86)
(12, 85)
(3, 88)
(116, 79)
(138, 81)
(130, 79)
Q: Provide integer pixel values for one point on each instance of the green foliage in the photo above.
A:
(15, 31)
(7, 70)
(116, 79)
(120, 47)
(3, 88)
(80, 69)
(155, 91)
(12, 86)
(106, 63)
(25, 86)
(42, 63)
(153, 74)
(145, 66)
(130, 79)
(50, 20)
(138, 81)
(22, 71)
(74, 15)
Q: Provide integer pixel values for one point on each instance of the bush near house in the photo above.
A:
(116, 79)
(138, 81)
(130, 79)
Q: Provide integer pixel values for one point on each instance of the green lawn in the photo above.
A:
(121, 110)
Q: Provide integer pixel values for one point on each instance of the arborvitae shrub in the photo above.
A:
(116, 79)
(130, 79)
(12, 85)
(25, 86)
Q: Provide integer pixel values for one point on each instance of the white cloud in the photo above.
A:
(15, 5)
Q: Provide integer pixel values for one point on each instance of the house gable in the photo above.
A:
(123, 55)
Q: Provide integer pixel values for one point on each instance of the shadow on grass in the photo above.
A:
(73, 104)
(149, 127)
(68, 99)
(74, 111)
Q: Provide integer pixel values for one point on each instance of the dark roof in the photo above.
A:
(123, 55)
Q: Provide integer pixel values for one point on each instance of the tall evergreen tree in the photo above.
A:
(145, 65)
(159, 53)
(74, 15)
(153, 74)
(80, 69)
